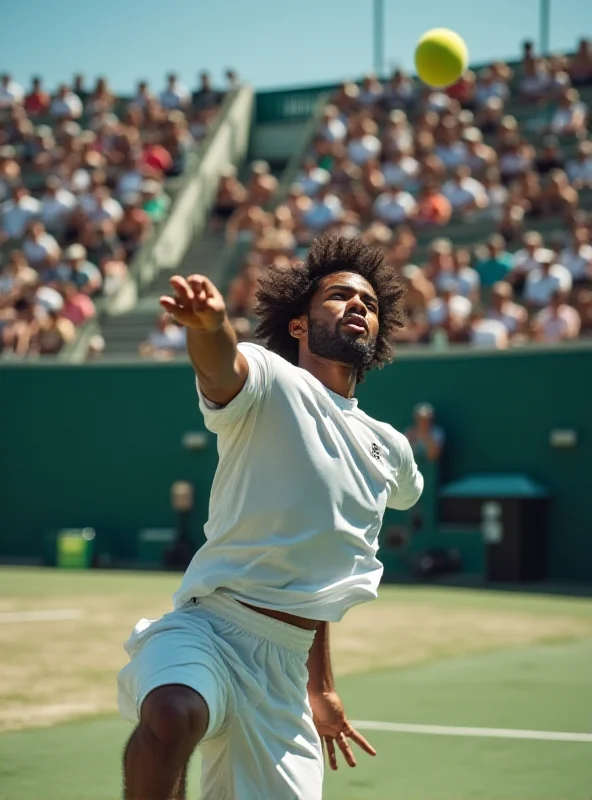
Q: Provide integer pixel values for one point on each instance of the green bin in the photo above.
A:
(75, 548)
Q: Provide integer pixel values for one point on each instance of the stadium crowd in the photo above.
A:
(83, 179)
(496, 157)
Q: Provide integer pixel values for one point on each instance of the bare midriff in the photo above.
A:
(283, 616)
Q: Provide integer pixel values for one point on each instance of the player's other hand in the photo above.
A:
(196, 303)
(333, 727)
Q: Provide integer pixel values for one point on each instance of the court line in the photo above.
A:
(41, 615)
(495, 733)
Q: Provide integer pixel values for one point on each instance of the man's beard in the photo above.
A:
(323, 341)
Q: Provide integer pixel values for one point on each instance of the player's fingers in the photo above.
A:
(356, 737)
(169, 304)
(331, 752)
(198, 287)
(346, 750)
(182, 289)
(205, 283)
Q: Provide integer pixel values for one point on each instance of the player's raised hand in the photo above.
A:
(334, 728)
(196, 303)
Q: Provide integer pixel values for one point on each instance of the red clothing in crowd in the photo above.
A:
(157, 157)
(78, 308)
(37, 102)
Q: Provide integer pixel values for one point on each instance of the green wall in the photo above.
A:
(100, 444)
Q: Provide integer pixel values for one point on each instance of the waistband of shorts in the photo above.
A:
(274, 630)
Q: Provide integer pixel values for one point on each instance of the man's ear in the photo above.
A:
(298, 327)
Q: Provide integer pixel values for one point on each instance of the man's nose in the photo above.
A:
(356, 306)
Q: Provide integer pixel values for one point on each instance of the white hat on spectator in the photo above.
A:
(75, 252)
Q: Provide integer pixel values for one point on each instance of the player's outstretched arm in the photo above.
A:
(211, 342)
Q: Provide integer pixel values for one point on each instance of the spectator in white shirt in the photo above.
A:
(56, 205)
(364, 144)
(458, 272)
(401, 169)
(504, 310)
(143, 95)
(541, 283)
(398, 92)
(579, 169)
(528, 258)
(175, 95)
(394, 206)
(371, 91)
(557, 322)
(451, 151)
(66, 104)
(326, 209)
(450, 312)
(18, 212)
(11, 92)
(577, 258)
(39, 247)
(166, 339)
(312, 177)
(465, 193)
(487, 333)
(487, 87)
(101, 206)
(535, 81)
(571, 115)
(333, 128)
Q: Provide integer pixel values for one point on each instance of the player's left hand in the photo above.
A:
(331, 723)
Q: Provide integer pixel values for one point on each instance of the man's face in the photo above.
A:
(342, 320)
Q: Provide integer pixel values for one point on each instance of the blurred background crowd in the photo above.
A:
(84, 179)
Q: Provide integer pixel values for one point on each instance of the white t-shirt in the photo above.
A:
(578, 263)
(323, 212)
(57, 207)
(363, 149)
(335, 130)
(297, 530)
(312, 181)
(172, 338)
(68, 106)
(174, 98)
(36, 252)
(563, 117)
(466, 280)
(453, 154)
(525, 262)
(464, 192)
(11, 94)
(458, 307)
(539, 287)
(566, 322)
(510, 316)
(401, 173)
(580, 171)
(394, 208)
(16, 216)
(489, 333)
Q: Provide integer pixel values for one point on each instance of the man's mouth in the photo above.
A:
(355, 322)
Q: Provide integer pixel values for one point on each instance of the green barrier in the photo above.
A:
(75, 549)
(152, 544)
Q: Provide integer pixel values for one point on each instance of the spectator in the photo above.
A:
(488, 118)
(11, 93)
(231, 195)
(398, 92)
(425, 437)
(457, 271)
(56, 205)
(401, 169)
(558, 321)
(53, 333)
(497, 193)
(371, 92)
(175, 95)
(363, 144)
(497, 263)
(464, 90)
(39, 247)
(558, 197)
(450, 312)
(114, 272)
(577, 257)
(551, 157)
(21, 329)
(535, 81)
(580, 69)
(166, 340)
(66, 104)
(579, 169)
(516, 157)
(465, 193)
(503, 309)
(397, 134)
(433, 207)
(583, 305)
(394, 206)
(155, 157)
(15, 276)
(101, 205)
(333, 128)
(542, 282)
(79, 88)
(312, 178)
(78, 307)
(134, 226)
(232, 80)
(571, 114)
(144, 96)
(37, 101)
(326, 209)
(18, 212)
(77, 271)
(101, 100)
(489, 85)
(246, 224)
(480, 157)
(510, 225)
(206, 96)
(486, 332)
(528, 258)
(10, 171)
(262, 184)
(451, 151)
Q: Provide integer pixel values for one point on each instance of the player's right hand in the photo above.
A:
(196, 303)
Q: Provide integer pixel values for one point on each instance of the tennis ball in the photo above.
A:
(441, 57)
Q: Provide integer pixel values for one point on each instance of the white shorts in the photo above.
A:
(251, 671)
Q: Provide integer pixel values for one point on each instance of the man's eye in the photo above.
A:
(336, 295)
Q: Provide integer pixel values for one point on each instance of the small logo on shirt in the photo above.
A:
(375, 452)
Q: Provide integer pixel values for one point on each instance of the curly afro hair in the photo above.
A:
(285, 293)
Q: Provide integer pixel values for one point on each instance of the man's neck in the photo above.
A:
(338, 378)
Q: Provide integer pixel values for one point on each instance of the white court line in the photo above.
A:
(495, 733)
(40, 616)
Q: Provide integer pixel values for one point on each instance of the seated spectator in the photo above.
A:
(175, 95)
(401, 169)
(166, 340)
(559, 79)
(16, 275)
(79, 272)
(489, 85)
(571, 114)
(579, 169)
(439, 260)
(464, 90)
(143, 95)
(101, 99)
(488, 118)
(371, 92)
(262, 184)
(297, 202)
(21, 328)
(497, 194)
(372, 179)
(53, 333)
(433, 207)
(100, 205)
(66, 104)
(114, 271)
(206, 97)
(156, 157)
(583, 305)
(11, 93)
(580, 69)
(326, 209)
(346, 99)
(557, 322)
(37, 101)
(503, 309)
(465, 193)
(79, 87)
(18, 212)
(39, 247)
(558, 197)
(425, 437)
(534, 84)
(243, 289)
(551, 157)
(497, 263)
(480, 157)
(450, 312)
(394, 206)
(78, 307)
(10, 171)
(515, 158)
(311, 177)
(333, 128)
(511, 222)
(528, 258)
(363, 143)
(542, 282)
(177, 142)
(397, 135)
(457, 271)
(451, 151)
(134, 226)
(56, 205)
(398, 92)
(231, 194)
(577, 257)
(486, 332)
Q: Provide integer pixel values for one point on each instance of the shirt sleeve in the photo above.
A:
(256, 386)
(409, 481)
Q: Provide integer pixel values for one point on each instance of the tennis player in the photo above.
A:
(241, 666)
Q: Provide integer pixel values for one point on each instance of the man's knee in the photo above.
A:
(175, 714)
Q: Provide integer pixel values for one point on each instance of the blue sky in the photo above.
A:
(282, 43)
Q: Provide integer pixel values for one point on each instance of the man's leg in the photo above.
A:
(173, 720)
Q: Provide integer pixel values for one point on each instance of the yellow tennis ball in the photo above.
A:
(441, 57)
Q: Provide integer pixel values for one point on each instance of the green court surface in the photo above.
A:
(543, 687)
